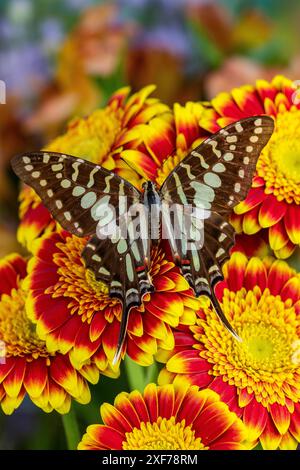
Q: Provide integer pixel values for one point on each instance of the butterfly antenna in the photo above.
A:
(222, 317)
(122, 335)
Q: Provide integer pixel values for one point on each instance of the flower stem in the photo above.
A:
(151, 373)
(135, 375)
(71, 429)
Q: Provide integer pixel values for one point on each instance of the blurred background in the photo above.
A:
(63, 58)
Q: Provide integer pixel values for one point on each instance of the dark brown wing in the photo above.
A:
(211, 180)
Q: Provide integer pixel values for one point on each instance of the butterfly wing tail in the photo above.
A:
(122, 334)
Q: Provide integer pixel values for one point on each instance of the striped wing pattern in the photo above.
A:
(75, 191)
(213, 178)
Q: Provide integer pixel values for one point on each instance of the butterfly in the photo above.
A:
(90, 201)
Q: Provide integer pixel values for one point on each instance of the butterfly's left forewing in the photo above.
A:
(75, 191)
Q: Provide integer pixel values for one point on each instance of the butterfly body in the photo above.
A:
(190, 210)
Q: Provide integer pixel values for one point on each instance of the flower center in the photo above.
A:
(264, 348)
(91, 138)
(16, 330)
(265, 360)
(279, 163)
(164, 434)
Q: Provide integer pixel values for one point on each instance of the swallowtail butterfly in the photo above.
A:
(211, 179)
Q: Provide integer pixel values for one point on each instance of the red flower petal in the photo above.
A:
(106, 437)
(114, 418)
(270, 107)
(186, 124)
(63, 373)
(151, 401)
(266, 90)
(97, 326)
(84, 348)
(281, 417)
(68, 333)
(278, 275)
(255, 274)
(124, 405)
(6, 368)
(140, 406)
(166, 399)
(244, 397)
(155, 327)
(278, 237)
(137, 354)
(271, 211)
(225, 106)
(250, 221)
(190, 407)
(286, 251)
(255, 197)
(141, 163)
(236, 270)
(247, 100)
(270, 438)
(14, 380)
(226, 391)
(295, 423)
(135, 323)
(110, 339)
(8, 276)
(188, 362)
(213, 421)
(36, 377)
(51, 313)
(291, 289)
(163, 283)
(288, 442)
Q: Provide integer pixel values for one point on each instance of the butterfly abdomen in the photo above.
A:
(152, 203)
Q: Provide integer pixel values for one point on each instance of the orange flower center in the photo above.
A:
(279, 163)
(164, 434)
(16, 330)
(265, 361)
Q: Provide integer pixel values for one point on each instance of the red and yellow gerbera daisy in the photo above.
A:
(28, 367)
(259, 378)
(73, 312)
(166, 418)
(101, 138)
(273, 201)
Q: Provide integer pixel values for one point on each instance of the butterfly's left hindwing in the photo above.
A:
(213, 178)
